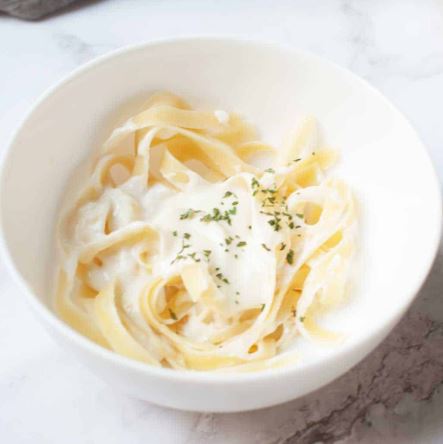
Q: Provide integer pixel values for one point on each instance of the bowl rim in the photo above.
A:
(46, 315)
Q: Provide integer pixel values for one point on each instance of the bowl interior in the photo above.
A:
(381, 156)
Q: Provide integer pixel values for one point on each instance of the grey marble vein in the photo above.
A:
(32, 9)
(410, 361)
(370, 57)
(79, 50)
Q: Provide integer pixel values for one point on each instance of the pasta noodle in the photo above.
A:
(180, 252)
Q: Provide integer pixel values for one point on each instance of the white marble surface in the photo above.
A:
(45, 395)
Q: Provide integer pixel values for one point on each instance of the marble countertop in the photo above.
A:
(395, 395)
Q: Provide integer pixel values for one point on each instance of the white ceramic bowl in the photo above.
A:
(382, 159)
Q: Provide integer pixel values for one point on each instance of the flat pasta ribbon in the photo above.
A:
(119, 286)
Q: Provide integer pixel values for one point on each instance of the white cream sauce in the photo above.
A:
(236, 255)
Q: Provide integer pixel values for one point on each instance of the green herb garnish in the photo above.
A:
(222, 277)
(181, 254)
(194, 257)
(189, 214)
(229, 240)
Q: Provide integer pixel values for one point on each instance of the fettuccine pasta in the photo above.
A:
(179, 251)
